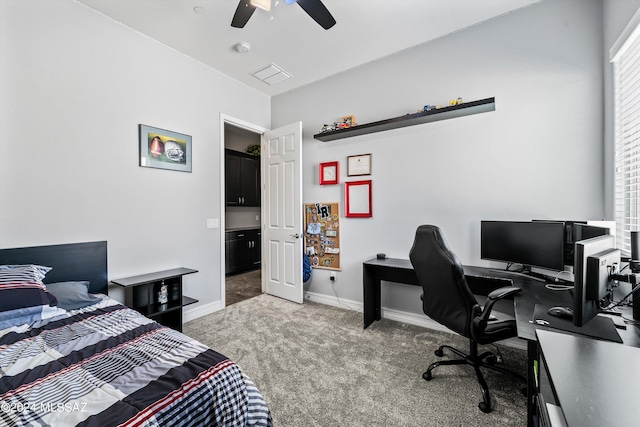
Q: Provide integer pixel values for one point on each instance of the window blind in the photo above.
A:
(625, 56)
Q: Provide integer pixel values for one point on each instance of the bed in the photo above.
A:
(71, 355)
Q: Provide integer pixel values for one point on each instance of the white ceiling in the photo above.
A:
(287, 37)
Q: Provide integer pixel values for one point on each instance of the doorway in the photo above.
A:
(278, 243)
(242, 277)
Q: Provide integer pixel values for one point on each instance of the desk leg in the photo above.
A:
(370, 296)
(532, 356)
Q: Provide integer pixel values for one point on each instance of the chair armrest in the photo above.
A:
(483, 285)
(493, 297)
(503, 292)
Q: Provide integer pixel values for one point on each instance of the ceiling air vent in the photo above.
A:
(271, 74)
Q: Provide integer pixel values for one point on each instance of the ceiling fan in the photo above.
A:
(314, 8)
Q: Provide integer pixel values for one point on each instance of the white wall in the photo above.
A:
(75, 85)
(539, 155)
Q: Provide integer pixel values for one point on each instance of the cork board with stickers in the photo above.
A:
(322, 234)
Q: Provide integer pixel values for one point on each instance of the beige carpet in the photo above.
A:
(317, 366)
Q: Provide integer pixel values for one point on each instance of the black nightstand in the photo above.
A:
(141, 294)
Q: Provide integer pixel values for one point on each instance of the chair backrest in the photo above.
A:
(446, 298)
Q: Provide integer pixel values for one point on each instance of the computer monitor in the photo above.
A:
(593, 258)
(575, 231)
(586, 231)
(600, 267)
(568, 238)
(529, 243)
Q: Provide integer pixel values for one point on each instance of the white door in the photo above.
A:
(282, 237)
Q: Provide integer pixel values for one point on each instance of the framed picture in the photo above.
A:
(164, 149)
(359, 165)
(329, 173)
(349, 121)
(358, 199)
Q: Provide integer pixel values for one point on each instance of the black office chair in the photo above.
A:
(447, 299)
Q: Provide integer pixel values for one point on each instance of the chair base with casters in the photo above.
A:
(484, 360)
(447, 299)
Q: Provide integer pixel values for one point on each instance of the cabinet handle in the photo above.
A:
(240, 235)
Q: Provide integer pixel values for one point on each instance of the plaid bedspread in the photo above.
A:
(107, 365)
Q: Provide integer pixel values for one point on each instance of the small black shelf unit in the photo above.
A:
(141, 294)
(444, 113)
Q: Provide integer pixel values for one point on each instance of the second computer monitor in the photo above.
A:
(589, 282)
(575, 231)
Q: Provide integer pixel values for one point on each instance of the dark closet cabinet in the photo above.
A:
(242, 177)
(242, 250)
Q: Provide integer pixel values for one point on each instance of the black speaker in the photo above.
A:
(634, 264)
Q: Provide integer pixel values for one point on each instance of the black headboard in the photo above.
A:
(73, 261)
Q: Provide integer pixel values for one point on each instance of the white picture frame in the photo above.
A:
(359, 165)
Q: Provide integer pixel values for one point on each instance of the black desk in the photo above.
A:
(376, 270)
(595, 383)
(482, 280)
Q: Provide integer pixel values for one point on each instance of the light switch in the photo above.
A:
(212, 223)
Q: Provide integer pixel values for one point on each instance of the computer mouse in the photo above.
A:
(561, 312)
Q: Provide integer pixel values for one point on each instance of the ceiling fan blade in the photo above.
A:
(318, 12)
(243, 13)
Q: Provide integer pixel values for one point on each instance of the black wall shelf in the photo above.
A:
(444, 113)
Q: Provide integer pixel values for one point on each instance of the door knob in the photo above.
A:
(295, 236)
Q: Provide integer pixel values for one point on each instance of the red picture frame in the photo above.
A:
(357, 196)
(329, 173)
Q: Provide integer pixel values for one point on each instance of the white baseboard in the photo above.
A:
(193, 313)
(333, 301)
(397, 315)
